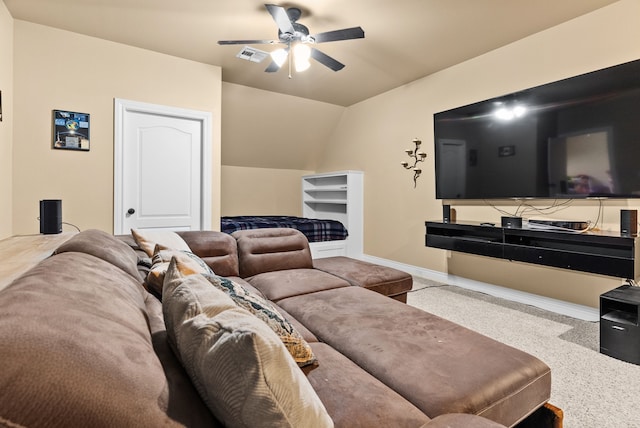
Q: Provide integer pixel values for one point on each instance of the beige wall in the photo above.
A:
(56, 69)
(270, 141)
(261, 191)
(264, 129)
(6, 126)
(373, 134)
(266, 148)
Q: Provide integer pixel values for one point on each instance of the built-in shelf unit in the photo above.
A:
(336, 196)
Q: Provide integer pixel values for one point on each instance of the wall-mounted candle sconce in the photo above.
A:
(417, 157)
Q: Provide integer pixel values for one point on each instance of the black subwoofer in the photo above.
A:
(448, 214)
(50, 216)
(628, 222)
(619, 327)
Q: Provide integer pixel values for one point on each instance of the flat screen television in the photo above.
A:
(575, 138)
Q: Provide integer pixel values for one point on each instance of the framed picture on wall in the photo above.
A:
(70, 130)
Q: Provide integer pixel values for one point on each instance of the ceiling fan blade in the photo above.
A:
(247, 42)
(279, 15)
(326, 60)
(345, 34)
(272, 68)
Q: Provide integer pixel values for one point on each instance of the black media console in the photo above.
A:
(594, 252)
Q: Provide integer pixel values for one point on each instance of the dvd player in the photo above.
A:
(564, 224)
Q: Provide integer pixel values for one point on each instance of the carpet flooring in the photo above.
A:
(593, 390)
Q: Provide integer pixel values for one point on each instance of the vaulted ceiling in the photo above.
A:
(404, 39)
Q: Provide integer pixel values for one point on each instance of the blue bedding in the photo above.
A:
(314, 229)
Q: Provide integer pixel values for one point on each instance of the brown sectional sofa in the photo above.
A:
(83, 343)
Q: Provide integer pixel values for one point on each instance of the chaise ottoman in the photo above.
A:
(391, 282)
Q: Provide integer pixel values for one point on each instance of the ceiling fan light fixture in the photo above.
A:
(302, 51)
(301, 56)
(296, 35)
(302, 64)
(279, 56)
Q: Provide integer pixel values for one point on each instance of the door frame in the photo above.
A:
(121, 108)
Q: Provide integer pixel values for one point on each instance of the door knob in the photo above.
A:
(131, 211)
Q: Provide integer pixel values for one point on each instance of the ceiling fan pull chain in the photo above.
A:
(290, 56)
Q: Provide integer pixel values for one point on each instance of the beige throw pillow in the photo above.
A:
(147, 239)
(239, 366)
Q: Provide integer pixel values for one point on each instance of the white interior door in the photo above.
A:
(162, 168)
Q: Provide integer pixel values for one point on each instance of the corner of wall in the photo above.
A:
(6, 125)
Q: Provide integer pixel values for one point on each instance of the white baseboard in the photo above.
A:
(586, 313)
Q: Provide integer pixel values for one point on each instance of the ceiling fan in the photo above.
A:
(296, 37)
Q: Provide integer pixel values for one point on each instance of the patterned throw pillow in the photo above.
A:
(237, 363)
(263, 309)
(189, 265)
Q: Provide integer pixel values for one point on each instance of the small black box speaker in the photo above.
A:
(512, 222)
(629, 222)
(448, 214)
(50, 216)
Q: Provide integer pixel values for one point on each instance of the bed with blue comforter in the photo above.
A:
(316, 230)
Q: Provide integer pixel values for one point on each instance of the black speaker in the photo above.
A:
(448, 214)
(50, 216)
(628, 222)
(512, 222)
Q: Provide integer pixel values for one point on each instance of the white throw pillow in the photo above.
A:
(147, 239)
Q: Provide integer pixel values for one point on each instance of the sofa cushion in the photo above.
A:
(190, 263)
(217, 249)
(271, 249)
(76, 348)
(292, 282)
(452, 370)
(238, 364)
(147, 239)
(103, 246)
(354, 398)
(381, 279)
(257, 305)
